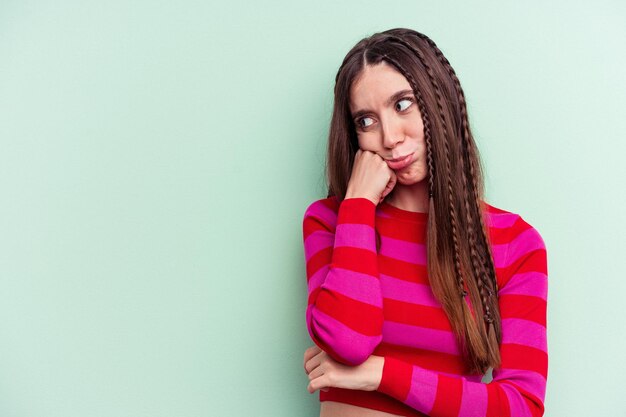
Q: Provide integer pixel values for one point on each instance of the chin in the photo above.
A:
(408, 179)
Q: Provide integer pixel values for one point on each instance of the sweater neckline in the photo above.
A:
(393, 211)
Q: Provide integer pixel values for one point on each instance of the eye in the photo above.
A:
(404, 104)
(363, 122)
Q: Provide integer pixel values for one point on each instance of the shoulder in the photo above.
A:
(323, 212)
(519, 247)
(511, 225)
(324, 204)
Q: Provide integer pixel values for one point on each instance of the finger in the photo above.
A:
(309, 353)
(315, 373)
(317, 383)
(390, 184)
(314, 362)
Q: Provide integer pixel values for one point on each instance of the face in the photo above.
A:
(388, 121)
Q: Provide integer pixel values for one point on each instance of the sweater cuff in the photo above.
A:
(396, 379)
(359, 210)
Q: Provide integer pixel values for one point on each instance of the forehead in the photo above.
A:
(375, 85)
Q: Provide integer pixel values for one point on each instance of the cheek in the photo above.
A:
(415, 126)
(368, 142)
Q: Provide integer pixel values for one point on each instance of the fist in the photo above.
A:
(371, 178)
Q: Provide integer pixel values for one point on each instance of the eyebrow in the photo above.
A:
(389, 102)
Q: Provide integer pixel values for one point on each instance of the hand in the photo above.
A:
(325, 372)
(370, 178)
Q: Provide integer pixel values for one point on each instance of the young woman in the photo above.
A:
(416, 286)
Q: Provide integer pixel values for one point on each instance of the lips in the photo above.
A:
(400, 163)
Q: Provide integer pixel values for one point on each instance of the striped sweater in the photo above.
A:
(364, 302)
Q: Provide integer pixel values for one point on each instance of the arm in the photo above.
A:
(518, 386)
(344, 315)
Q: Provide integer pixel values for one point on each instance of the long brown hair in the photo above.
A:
(460, 261)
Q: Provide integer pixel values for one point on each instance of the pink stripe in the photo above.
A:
(316, 242)
(318, 278)
(410, 292)
(530, 381)
(474, 399)
(353, 346)
(414, 253)
(499, 254)
(472, 378)
(358, 286)
(356, 236)
(502, 220)
(527, 283)
(527, 241)
(517, 405)
(420, 337)
(319, 210)
(423, 389)
(524, 332)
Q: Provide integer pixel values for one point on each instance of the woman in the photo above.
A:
(417, 287)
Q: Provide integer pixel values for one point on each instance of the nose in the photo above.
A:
(392, 133)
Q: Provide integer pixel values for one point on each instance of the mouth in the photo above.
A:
(398, 159)
(399, 163)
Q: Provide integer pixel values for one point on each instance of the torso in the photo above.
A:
(336, 409)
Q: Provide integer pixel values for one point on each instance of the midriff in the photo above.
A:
(337, 409)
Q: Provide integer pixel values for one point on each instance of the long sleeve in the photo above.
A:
(344, 314)
(518, 385)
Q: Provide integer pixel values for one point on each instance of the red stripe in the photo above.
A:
(403, 270)
(416, 315)
(356, 259)
(503, 236)
(527, 307)
(518, 228)
(499, 236)
(331, 203)
(357, 211)
(523, 357)
(411, 233)
(373, 400)
(448, 397)
(396, 379)
(427, 359)
(534, 261)
(492, 209)
(359, 316)
(317, 261)
(497, 402)
(313, 224)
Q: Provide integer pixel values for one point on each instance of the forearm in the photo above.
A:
(344, 313)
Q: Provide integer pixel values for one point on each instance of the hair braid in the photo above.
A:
(487, 282)
(452, 209)
(479, 264)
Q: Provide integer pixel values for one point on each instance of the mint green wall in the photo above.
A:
(156, 159)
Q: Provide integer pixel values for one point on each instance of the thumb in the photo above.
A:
(390, 184)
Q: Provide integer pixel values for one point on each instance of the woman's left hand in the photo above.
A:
(325, 372)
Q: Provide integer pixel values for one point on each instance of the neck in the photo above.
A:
(412, 197)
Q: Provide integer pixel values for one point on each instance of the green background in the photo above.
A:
(156, 159)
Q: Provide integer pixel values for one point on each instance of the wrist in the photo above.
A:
(351, 194)
(375, 372)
